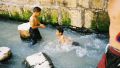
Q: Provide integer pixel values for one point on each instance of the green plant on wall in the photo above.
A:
(54, 17)
(65, 19)
(15, 16)
(26, 15)
(45, 16)
(101, 22)
(48, 16)
(4, 15)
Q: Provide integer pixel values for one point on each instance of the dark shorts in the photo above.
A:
(111, 59)
(35, 34)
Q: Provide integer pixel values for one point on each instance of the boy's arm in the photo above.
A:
(40, 25)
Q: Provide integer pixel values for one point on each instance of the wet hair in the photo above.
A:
(36, 9)
(60, 29)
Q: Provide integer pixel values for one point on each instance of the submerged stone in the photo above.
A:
(38, 60)
(5, 53)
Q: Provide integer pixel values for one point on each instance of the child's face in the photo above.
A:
(58, 33)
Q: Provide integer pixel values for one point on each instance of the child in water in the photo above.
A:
(34, 25)
(63, 40)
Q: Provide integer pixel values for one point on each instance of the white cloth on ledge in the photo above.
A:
(24, 26)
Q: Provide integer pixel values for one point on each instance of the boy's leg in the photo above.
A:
(38, 35)
(33, 36)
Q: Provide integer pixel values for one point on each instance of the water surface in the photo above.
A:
(85, 56)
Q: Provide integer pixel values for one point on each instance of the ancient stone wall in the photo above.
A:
(81, 12)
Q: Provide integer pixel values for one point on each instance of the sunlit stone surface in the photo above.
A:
(78, 19)
(5, 53)
(38, 60)
(24, 30)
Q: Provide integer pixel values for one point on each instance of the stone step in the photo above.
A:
(38, 60)
(5, 53)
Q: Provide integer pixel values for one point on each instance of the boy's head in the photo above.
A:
(36, 11)
(59, 31)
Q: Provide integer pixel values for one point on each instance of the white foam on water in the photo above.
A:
(81, 52)
(90, 46)
(90, 49)
(55, 47)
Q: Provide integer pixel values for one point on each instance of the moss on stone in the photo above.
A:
(45, 16)
(26, 15)
(66, 18)
(54, 17)
(48, 16)
(15, 16)
(101, 22)
(4, 14)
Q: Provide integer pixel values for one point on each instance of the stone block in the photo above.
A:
(88, 18)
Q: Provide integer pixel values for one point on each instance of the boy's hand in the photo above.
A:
(42, 26)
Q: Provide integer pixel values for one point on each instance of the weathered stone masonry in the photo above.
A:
(81, 12)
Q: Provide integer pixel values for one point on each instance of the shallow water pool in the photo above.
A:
(85, 56)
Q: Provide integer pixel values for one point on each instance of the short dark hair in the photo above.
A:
(60, 29)
(36, 9)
